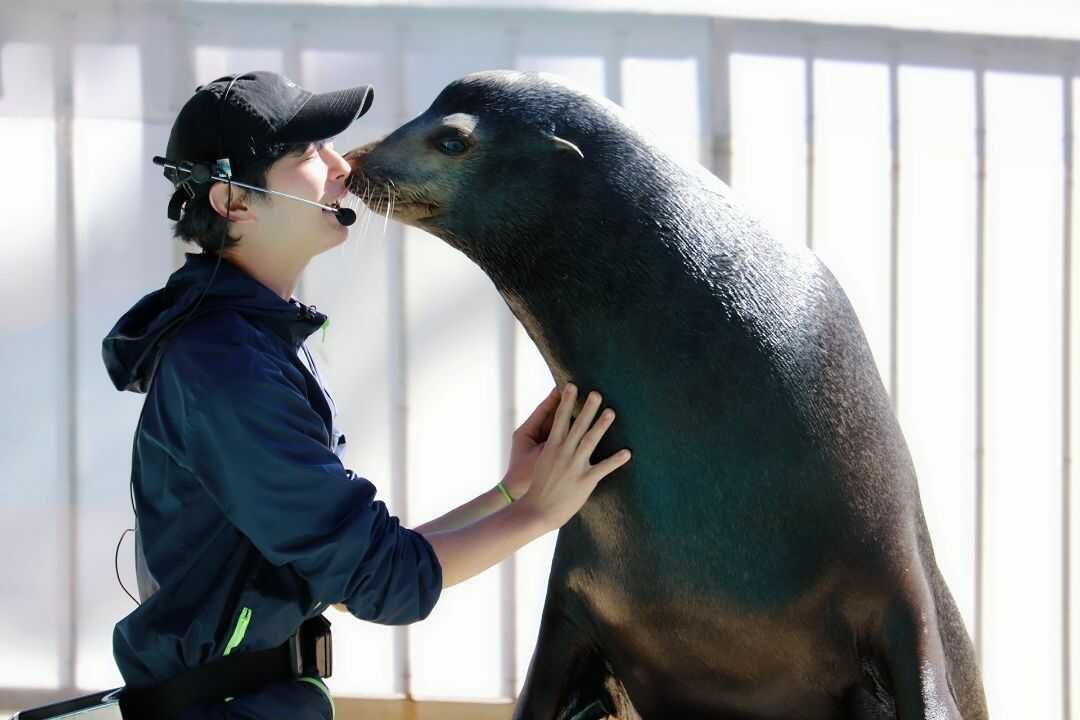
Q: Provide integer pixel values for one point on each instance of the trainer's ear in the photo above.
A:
(561, 144)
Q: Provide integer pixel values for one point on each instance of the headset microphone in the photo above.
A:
(204, 172)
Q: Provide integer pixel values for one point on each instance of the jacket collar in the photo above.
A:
(232, 286)
(132, 348)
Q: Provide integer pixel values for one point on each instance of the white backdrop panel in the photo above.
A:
(851, 190)
(33, 347)
(1074, 407)
(118, 259)
(577, 53)
(123, 251)
(768, 129)
(936, 333)
(1022, 536)
(663, 70)
(212, 62)
(454, 442)
(27, 94)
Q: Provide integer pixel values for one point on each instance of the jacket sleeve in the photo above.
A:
(261, 451)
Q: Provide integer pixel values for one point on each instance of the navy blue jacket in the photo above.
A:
(248, 523)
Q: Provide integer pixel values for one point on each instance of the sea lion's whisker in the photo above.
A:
(364, 204)
(373, 211)
(386, 220)
(369, 213)
(390, 210)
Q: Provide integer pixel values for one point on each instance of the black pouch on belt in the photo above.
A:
(307, 653)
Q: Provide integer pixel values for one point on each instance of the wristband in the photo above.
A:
(505, 493)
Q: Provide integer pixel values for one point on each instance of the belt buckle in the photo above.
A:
(311, 650)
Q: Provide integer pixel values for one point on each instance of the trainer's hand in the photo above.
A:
(526, 444)
(563, 479)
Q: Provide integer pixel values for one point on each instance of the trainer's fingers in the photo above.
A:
(562, 415)
(549, 420)
(596, 432)
(584, 419)
(533, 426)
(607, 466)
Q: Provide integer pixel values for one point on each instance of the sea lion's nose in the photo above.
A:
(359, 152)
(351, 158)
(356, 172)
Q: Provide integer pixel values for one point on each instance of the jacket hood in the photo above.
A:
(133, 347)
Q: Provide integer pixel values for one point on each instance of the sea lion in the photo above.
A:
(765, 554)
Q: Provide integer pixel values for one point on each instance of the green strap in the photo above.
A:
(326, 691)
(505, 493)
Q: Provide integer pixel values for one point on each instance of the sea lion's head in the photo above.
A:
(499, 165)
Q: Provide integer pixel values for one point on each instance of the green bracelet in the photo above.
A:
(505, 492)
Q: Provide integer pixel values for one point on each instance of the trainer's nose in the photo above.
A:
(337, 167)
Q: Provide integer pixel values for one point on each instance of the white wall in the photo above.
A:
(861, 143)
(1039, 18)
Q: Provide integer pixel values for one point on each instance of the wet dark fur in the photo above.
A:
(764, 555)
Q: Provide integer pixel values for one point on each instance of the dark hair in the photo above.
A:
(201, 224)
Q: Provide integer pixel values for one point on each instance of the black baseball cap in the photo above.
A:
(263, 108)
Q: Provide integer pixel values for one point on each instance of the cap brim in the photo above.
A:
(325, 115)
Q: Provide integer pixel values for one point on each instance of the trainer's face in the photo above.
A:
(317, 174)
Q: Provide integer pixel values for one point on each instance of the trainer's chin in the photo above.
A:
(338, 235)
(330, 237)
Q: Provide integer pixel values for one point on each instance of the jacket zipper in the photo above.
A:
(239, 631)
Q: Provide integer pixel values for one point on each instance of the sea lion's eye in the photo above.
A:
(451, 146)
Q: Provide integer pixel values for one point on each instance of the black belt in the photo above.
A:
(308, 653)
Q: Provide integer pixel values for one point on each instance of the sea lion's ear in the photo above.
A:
(561, 144)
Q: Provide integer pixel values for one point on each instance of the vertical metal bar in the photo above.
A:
(67, 279)
(184, 80)
(980, 343)
(1066, 411)
(399, 397)
(808, 69)
(894, 232)
(613, 79)
(505, 326)
(719, 92)
(293, 68)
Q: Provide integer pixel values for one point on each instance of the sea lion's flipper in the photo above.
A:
(870, 699)
(597, 710)
(915, 653)
(566, 676)
(964, 676)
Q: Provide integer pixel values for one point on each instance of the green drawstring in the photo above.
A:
(239, 631)
(324, 329)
